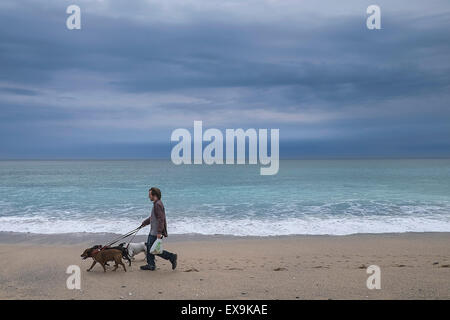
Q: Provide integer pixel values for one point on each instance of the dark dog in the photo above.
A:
(103, 256)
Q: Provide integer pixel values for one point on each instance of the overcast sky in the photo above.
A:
(139, 69)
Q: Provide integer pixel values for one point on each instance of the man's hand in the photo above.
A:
(159, 236)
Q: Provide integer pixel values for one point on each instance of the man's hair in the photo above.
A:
(155, 192)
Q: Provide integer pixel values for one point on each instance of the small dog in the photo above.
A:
(103, 256)
(136, 248)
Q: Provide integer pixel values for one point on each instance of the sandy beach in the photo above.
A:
(413, 266)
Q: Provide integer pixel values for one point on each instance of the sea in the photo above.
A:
(307, 197)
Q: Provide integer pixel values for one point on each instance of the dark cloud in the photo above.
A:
(322, 78)
(19, 91)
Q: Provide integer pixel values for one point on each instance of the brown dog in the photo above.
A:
(103, 256)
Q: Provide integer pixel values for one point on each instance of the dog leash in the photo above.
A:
(122, 237)
(134, 235)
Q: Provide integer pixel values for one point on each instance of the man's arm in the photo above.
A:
(146, 222)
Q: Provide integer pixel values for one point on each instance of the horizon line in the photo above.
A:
(284, 158)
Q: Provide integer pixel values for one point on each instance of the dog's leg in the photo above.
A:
(126, 256)
(103, 265)
(117, 260)
(123, 266)
(93, 264)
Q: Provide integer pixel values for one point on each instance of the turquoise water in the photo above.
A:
(305, 197)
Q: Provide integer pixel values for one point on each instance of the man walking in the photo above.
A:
(158, 229)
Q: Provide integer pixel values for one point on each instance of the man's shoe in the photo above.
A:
(174, 261)
(148, 267)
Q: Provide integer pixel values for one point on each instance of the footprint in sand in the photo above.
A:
(191, 270)
(233, 268)
(445, 266)
(280, 269)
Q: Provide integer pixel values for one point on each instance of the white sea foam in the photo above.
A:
(242, 227)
